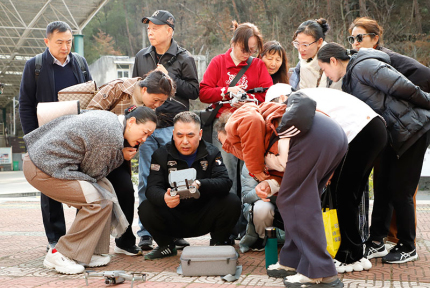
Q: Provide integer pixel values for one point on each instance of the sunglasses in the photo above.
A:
(359, 37)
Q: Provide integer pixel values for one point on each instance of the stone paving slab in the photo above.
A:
(23, 243)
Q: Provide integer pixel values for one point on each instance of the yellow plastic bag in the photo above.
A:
(331, 223)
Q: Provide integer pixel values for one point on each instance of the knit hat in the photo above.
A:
(277, 90)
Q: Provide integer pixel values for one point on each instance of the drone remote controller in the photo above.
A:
(181, 182)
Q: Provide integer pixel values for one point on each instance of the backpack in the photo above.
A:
(39, 61)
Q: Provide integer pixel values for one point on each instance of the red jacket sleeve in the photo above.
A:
(209, 90)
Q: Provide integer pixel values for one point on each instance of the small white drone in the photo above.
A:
(115, 277)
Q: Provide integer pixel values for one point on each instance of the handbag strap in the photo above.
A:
(239, 75)
(241, 72)
(327, 199)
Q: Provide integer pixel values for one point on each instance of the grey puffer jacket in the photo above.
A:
(84, 147)
(404, 106)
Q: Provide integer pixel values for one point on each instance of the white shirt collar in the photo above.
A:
(121, 119)
(56, 61)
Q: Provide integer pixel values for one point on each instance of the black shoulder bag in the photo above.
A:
(208, 115)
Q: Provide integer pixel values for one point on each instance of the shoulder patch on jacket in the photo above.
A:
(155, 167)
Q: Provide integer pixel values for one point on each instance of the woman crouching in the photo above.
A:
(68, 160)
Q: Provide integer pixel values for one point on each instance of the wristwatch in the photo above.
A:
(198, 183)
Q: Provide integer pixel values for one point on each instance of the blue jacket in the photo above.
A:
(31, 93)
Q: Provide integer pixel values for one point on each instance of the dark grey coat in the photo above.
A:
(404, 106)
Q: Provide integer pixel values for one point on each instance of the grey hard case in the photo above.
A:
(208, 260)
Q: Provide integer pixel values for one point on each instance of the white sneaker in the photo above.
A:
(279, 271)
(356, 266)
(360, 265)
(62, 264)
(300, 278)
(365, 263)
(340, 267)
(296, 280)
(389, 245)
(343, 267)
(98, 260)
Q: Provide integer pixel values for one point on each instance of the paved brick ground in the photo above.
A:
(22, 249)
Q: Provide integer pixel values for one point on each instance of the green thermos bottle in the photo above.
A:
(271, 248)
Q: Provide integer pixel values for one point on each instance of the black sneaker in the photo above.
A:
(399, 254)
(180, 243)
(130, 251)
(145, 243)
(230, 242)
(258, 245)
(162, 252)
(374, 250)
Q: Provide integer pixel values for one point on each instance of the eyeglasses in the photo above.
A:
(359, 37)
(251, 51)
(306, 46)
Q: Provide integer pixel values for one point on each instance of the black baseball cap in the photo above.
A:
(161, 17)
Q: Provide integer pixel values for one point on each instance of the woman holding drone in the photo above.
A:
(220, 79)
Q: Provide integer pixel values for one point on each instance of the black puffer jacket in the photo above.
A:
(211, 173)
(404, 106)
(182, 69)
(411, 68)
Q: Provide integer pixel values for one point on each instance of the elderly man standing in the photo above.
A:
(165, 55)
(168, 217)
(44, 75)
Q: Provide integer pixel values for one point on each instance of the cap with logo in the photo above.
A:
(161, 17)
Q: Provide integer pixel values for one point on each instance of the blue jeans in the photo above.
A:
(230, 161)
(160, 137)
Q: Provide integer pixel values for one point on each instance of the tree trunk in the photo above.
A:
(128, 29)
(235, 11)
(363, 9)
(416, 13)
(269, 14)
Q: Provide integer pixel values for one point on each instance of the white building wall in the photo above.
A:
(105, 68)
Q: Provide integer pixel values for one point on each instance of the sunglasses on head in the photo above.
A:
(359, 37)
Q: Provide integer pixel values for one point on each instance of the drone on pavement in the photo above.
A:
(115, 277)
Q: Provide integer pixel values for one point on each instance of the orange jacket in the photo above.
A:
(249, 130)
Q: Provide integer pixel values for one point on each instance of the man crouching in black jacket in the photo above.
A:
(167, 217)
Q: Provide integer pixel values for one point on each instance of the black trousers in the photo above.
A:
(395, 182)
(121, 182)
(348, 183)
(217, 217)
(53, 218)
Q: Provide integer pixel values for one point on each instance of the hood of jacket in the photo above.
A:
(363, 54)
